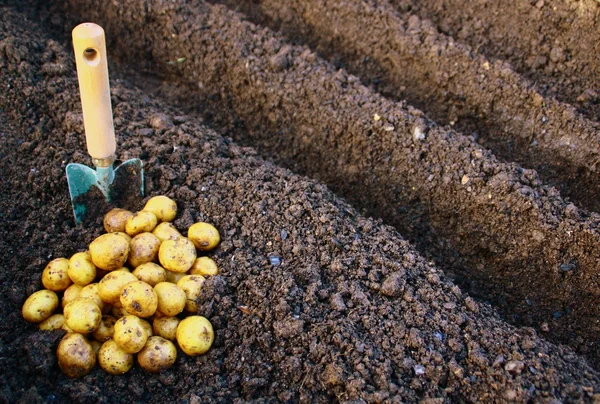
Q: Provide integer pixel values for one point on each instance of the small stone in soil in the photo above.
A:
(275, 260)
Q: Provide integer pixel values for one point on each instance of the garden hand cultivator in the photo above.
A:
(92, 72)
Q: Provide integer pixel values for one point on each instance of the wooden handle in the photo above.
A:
(92, 72)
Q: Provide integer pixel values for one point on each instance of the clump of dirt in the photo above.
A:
(503, 235)
(314, 302)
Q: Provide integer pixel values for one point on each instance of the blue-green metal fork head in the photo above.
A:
(111, 182)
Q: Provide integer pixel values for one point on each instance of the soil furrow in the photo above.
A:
(350, 312)
(553, 43)
(407, 58)
(507, 238)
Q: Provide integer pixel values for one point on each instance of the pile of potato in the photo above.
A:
(111, 313)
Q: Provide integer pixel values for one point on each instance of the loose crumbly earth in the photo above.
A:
(315, 302)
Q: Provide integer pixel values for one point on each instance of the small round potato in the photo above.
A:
(166, 231)
(204, 236)
(124, 235)
(195, 335)
(204, 266)
(113, 359)
(118, 312)
(54, 322)
(192, 286)
(82, 270)
(66, 328)
(139, 298)
(143, 248)
(96, 345)
(111, 286)
(163, 207)
(157, 355)
(71, 293)
(39, 306)
(150, 273)
(147, 327)
(55, 277)
(114, 221)
(109, 251)
(130, 334)
(171, 299)
(91, 292)
(140, 222)
(174, 277)
(76, 357)
(105, 329)
(166, 327)
(82, 315)
(177, 255)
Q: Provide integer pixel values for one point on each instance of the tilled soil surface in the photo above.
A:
(338, 305)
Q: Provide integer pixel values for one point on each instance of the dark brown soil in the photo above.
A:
(338, 306)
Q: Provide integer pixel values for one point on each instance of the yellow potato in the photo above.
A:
(166, 231)
(96, 345)
(114, 221)
(140, 222)
(111, 286)
(157, 355)
(39, 306)
(124, 235)
(105, 329)
(54, 322)
(139, 298)
(177, 255)
(143, 248)
(55, 277)
(71, 293)
(166, 327)
(66, 328)
(171, 299)
(82, 315)
(130, 334)
(150, 273)
(204, 236)
(174, 277)
(91, 292)
(192, 286)
(113, 359)
(195, 335)
(147, 327)
(204, 266)
(118, 312)
(109, 251)
(82, 270)
(163, 207)
(76, 357)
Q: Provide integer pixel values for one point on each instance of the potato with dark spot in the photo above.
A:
(39, 306)
(192, 286)
(54, 322)
(82, 270)
(114, 221)
(76, 356)
(111, 286)
(166, 327)
(195, 335)
(113, 359)
(109, 251)
(177, 255)
(82, 315)
(157, 355)
(55, 276)
(205, 236)
(105, 329)
(204, 266)
(163, 207)
(143, 248)
(139, 298)
(130, 334)
(166, 231)
(140, 222)
(150, 273)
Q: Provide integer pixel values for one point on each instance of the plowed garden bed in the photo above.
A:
(428, 185)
